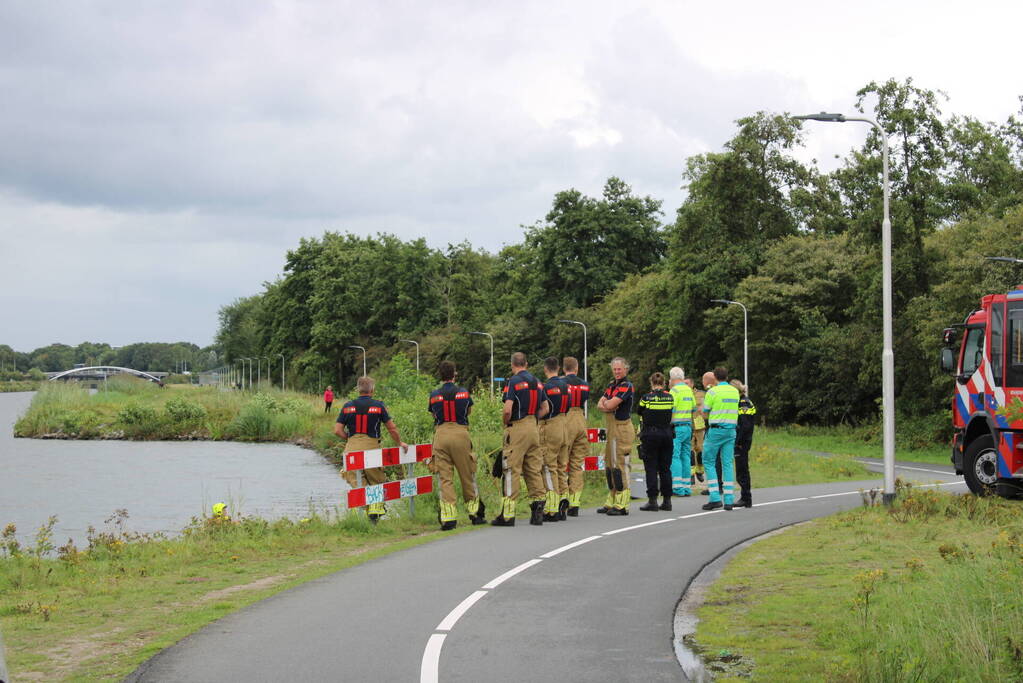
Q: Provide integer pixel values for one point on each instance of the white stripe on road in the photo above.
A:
(510, 573)
(558, 551)
(636, 526)
(430, 670)
(456, 614)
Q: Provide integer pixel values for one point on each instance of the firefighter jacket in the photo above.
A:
(450, 403)
(557, 396)
(578, 391)
(364, 415)
(526, 394)
(621, 389)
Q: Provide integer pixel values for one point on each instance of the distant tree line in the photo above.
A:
(798, 246)
(147, 356)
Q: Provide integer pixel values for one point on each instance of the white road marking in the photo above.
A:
(558, 551)
(456, 614)
(510, 573)
(430, 670)
(832, 495)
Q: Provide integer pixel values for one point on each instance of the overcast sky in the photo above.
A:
(157, 159)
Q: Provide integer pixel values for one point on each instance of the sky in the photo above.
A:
(158, 159)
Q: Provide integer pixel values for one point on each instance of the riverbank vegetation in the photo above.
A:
(925, 590)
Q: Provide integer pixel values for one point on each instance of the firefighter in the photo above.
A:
(721, 406)
(699, 432)
(655, 410)
(743, 441)
(683, 404)
(552, 440)
(616, 404)
(359, 422)
(524, 403)
(577, 445)
(452, 449)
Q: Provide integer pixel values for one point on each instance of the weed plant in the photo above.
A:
(925, 590)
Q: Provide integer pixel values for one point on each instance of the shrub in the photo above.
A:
(181, 410)
(254, 422)
(137, 414)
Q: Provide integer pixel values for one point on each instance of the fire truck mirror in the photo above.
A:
(948, 336)
(948, 360)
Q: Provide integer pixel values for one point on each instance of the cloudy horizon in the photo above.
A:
(161, 158)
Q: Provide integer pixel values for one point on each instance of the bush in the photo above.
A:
(182, 411)
(254, 423)
(136, 414)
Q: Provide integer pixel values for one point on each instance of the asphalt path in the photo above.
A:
(592, 598)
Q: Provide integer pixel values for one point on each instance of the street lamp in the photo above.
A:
(586, 370)
(363, 358)
(488, 335)
(745, 339)
(1004, 259)
(259, 379)
(282, 370)
(887, 355)
(409, 341)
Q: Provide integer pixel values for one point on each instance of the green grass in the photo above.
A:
(7, 386)
(927, 590)
(852, 441)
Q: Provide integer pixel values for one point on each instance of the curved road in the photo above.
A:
(592, 598)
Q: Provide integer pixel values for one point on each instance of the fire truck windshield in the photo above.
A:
(973, 350)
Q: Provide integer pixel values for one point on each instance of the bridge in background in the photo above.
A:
(99, 373)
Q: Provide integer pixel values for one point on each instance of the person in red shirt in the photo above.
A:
(328, 398)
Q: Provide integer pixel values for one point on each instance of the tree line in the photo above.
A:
(798, 246)
(146, 356)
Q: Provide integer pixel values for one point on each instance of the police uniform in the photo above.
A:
(655, 410)
(521, 453)
(362, 418)
(618, 450)
(577, 445)
(743, 441)
(554, 448)
(452, 450)
(721, 404)
(683, 403)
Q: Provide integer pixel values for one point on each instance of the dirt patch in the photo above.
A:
(69, 655)
(258, 584)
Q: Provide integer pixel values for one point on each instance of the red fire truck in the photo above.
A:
(987, 448)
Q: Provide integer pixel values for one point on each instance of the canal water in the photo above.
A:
(162, 484)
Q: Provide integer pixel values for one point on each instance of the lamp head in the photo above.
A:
(1004, 259)
(823, 116)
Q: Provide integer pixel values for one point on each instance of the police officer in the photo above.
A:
(721, 406)
(743, 441)
(577, 445)
(524, 403)
(683, 404)
(616, 404)
(655, 437)
(452, 449)
(359, 422)
(552, 440)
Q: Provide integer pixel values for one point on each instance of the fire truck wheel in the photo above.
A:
(980, 466)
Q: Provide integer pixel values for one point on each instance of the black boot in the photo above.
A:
(602, 510)
(712, 506)
(563, 509)
(536, 513)
(666, 505)
(573, 511)
(551, 517)
(448, 526)
(501, 521)
(651, 506)
(744, 503)
(479, 517)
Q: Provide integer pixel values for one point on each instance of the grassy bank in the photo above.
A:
(927, 590)
(860, 442)
(8, 386)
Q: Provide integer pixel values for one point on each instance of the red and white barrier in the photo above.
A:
(390, 490)
(593, 463)
(385, 457)
(596, 435)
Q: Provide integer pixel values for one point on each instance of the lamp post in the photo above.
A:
(409, 341)
(887, 355)
(363, 358)
(745, 339)
(489, 336)
(259, 379)
(282, 370)
(586, 369)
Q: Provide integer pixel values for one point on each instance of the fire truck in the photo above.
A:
(987, 448)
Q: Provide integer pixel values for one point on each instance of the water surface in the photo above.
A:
(162, 484)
